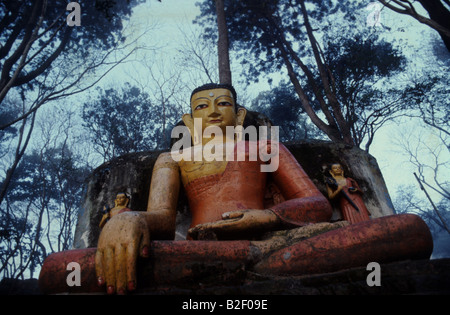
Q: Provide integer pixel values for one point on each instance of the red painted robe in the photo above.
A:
(243, 186)
(349, 212)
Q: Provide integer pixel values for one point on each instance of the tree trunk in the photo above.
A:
(330, 94)
(439, 13)
(222, 45)
(20, 151)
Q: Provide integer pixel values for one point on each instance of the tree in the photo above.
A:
(407, 200)
(44, 59)
(36, 33)
(285, 110)
(22, 138)
(276, 34)
(429, 156)
(427, 97)
(364, 70)
(40, 210)
(222, 44)
(438, 11)
(121, 120)
(198, 57)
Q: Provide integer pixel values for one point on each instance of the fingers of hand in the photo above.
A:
(144, 241)
(130, 263)
(99, 270)
(222, 225)
(116, 267)
(109, 269)
(118, 247)
(120, 268)
(233, 215)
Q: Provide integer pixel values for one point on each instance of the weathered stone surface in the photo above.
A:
(405, 277)
(273, 241)
(132, 173)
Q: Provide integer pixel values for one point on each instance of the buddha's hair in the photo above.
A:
(211, 86)
(124, 193)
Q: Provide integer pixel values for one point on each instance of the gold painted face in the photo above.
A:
(215, 107)
(336, 169)
(121, 200)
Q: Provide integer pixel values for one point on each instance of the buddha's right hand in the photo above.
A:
(122, 239)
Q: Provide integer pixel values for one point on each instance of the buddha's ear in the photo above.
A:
(189, 122)
(240, 117)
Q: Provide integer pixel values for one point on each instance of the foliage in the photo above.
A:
(40, 212)
(35, 34)
(428, 100)
(254, 26)
(122, 120)
(285, 111)
(274, 35)
(44, 59)
(438, 14)
(7, 113)
(363, 66)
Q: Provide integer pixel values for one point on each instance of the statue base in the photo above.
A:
(424, 277)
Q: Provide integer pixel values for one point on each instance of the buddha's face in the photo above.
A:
(336, 170)
(121, 200)
(215, 107)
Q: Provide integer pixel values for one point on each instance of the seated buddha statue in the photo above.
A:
(231, 215)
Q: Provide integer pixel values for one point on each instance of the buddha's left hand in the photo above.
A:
(238, 223)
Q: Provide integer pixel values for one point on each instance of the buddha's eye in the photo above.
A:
(201, 106)
(225, 104)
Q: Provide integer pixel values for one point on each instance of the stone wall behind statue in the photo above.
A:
(132, 173)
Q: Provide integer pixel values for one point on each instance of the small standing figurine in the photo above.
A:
(120, 205)
(347, 190)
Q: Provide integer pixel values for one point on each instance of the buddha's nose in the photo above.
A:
(214, 111)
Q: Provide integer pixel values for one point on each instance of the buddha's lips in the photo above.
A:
(215, 121)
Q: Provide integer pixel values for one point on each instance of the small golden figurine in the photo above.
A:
(120, 205)
(347, 190)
